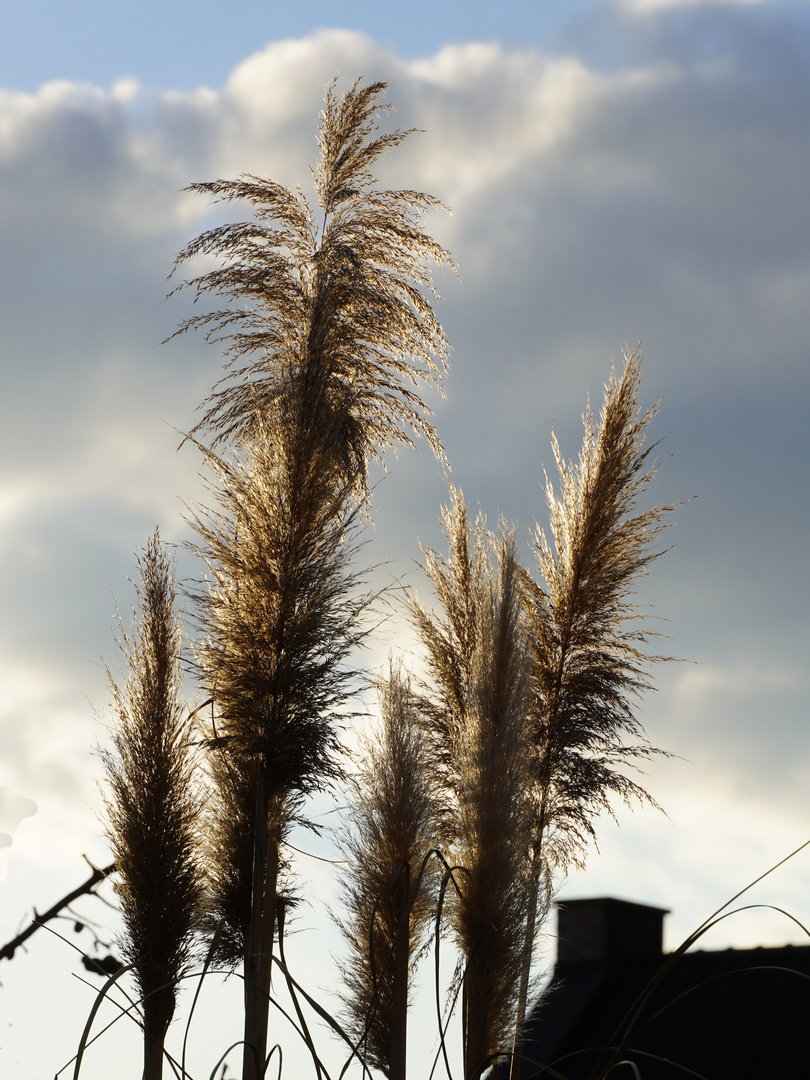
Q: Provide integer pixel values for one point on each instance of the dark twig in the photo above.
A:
(98, 875)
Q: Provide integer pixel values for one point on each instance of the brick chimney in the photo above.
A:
(609, 932)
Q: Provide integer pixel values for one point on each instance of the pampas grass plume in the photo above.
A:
(152, 803)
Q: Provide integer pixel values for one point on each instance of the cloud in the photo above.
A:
(14, 808)
(661, 198)
(734, 720)
(656, 190)
(640, 6)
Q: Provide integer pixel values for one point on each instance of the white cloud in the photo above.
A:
(640, 6)
(14, 808)
(696, 859)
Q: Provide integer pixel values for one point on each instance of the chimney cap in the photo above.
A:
(609, 900)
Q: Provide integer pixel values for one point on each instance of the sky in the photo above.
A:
(626, 172)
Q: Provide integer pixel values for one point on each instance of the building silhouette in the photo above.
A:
(731, 1014)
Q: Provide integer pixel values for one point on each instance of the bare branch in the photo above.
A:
(86, 888)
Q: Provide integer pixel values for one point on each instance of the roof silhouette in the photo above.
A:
(732, 1014)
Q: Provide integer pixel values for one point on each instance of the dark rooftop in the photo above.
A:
(735, 1014)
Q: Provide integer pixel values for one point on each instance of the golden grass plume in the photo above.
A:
(340, 305)
(388, 887)
(476, 713)
(586, 633)
(587, 642)
(279, 617)
(152, 802)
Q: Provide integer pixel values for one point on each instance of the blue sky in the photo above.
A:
(187, 44)
(616, 173)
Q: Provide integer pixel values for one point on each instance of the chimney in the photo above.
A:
(607, 931)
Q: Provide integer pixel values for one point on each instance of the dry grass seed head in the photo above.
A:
(390, 831)
(151, 799)
(341, 306)
(280, 615)
(589, 660)
(477, 660)
(229, 818)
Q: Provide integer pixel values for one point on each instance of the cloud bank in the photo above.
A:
(660, 197)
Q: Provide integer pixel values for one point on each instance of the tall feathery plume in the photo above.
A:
(586, 644)
(279, 617)
(389, 884)
(477, 659)
(329, 338)
(152, 804)
(338, 310)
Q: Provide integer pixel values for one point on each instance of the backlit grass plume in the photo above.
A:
(329, 336)
(279, 617)
(152, 805)
(336, 304)
(588, 655)
(229, 848)
(477, 713)
(388, 886)
(276, 611)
